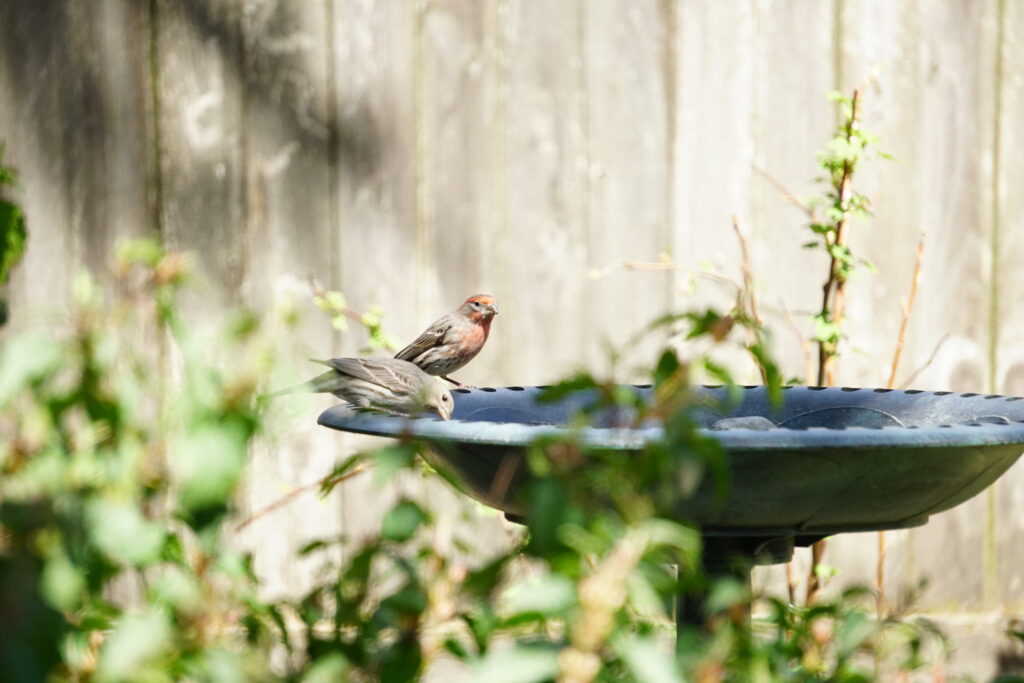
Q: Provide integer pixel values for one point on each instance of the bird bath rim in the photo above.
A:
(779, 437)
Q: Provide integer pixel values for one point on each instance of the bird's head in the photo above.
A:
(439, 401)
(480, 308)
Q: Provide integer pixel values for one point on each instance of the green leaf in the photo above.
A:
(13, 238)
(825, 330)
(726, 593)
(388, 461)
(521, 663)
(647, 660)
(139, 251)
(402, 521)
(24, 359)
(547, 595)
(136, 641)
(62, 584)
(207, 463)
(222, 666)
(327, 669)
(853, 632)
(178, 589)
(121, 531)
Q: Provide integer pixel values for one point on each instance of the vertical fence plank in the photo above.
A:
(952, 130)
(793, 69)
(544, 254)
(627, 69)
(459, 214)
(376, 79)
(288, 217)
(1009, 308)
(933, 110)
(459, 130)
(880, 37)
(73, 116)
(200, 116)
(714, 153)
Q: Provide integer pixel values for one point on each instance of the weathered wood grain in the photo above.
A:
(934, 112)
(543, 145)
(713, 155)
(460, 225)
(459, 182)
(1007, 307)
(627, 50)
(374, 90)
(73, 118)
(287, 134)
(198, 61)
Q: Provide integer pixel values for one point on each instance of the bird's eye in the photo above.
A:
(476, 304)
(444, 398)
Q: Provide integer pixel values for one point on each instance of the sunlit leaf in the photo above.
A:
(547, 595)
(520, 663)
(136, 641)
(121, 531)
(402, 520)
(648, 660)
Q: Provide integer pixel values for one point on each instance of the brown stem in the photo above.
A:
(746, 297)
(292, 495)
(908, 307)
(901, 337)
(834, 289)
(927, 363)
(832, 302)
(880, 575)
(319, 291)
(784, 191)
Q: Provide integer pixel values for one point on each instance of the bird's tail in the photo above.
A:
(325, 383)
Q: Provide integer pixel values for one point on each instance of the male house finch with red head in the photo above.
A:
(385, 384)
(453, 340)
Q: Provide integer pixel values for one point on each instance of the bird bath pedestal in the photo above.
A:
(826, 461)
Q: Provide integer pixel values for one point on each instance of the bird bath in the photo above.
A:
(825, 461)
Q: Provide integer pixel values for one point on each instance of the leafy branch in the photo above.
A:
(840, 160)
(335, 305)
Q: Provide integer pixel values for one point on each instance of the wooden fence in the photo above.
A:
(413, 152)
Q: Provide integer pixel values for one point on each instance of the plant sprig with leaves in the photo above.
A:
(831, 215)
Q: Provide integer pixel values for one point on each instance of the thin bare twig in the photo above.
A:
(901, 338)
(292, 495)
(908, 307)
(320, 292)
(784, 191)
(663, 264)
(748, 278)
(804, 344)
(926, 364)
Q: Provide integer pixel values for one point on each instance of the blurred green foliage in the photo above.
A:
(13, 233)
(117, 478)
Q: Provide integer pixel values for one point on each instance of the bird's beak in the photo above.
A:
(493, 308)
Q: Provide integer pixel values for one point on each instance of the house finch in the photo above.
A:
(453, 340)
(385, 384)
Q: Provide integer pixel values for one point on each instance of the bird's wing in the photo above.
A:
(379, 371)
(434, 336)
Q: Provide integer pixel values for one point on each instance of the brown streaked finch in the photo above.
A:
(453, 340)
(383, 384)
